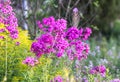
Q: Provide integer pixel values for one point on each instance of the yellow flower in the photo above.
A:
(72, 79)
(23, 39)
(2, 25)
(66, 71)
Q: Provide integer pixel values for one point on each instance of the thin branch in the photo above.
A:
(68, 9)
(34, 18)
(92, 18)
(85, 6)
(75, 4)
(63, 6)
(59, 8)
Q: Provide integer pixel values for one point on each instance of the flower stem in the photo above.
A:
(6, 58)
(6, 70)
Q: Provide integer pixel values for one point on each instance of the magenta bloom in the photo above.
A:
(59, 26)
(40, 25)
(8, 18)
(43, 45)
(2, 37)
(59, 40)
(46, 38)
(98, 69)
(57, 79)
(75, 10)
(62, 24)
(81, 32)
(87, 32)
(60, 46)
(78, 50)
(102, 70)
(93, 71)
(38, 48)
(30, 61)
(72, 33)
(59, 54)
(17, 43)
(2, 30)
(48, 21)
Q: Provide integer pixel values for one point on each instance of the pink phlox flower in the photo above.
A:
(72, 33)
(75, 10)
(57, 79)
(30, 61)
(101, 69)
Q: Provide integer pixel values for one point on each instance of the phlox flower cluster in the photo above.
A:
(59, 40)
(99, 70)
(7, 17)
(57, 79)
(30, 61)
(43, 45)
(17, 43)
(78, 49)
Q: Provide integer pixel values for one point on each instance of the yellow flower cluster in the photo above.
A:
(2, 25)
(23, 39)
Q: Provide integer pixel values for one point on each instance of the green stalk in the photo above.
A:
(6, 70)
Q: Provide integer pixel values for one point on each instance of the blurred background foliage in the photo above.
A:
(99, 14)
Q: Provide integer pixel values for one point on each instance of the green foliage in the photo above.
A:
(15, 54)
(116, 28)
(44, 71)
